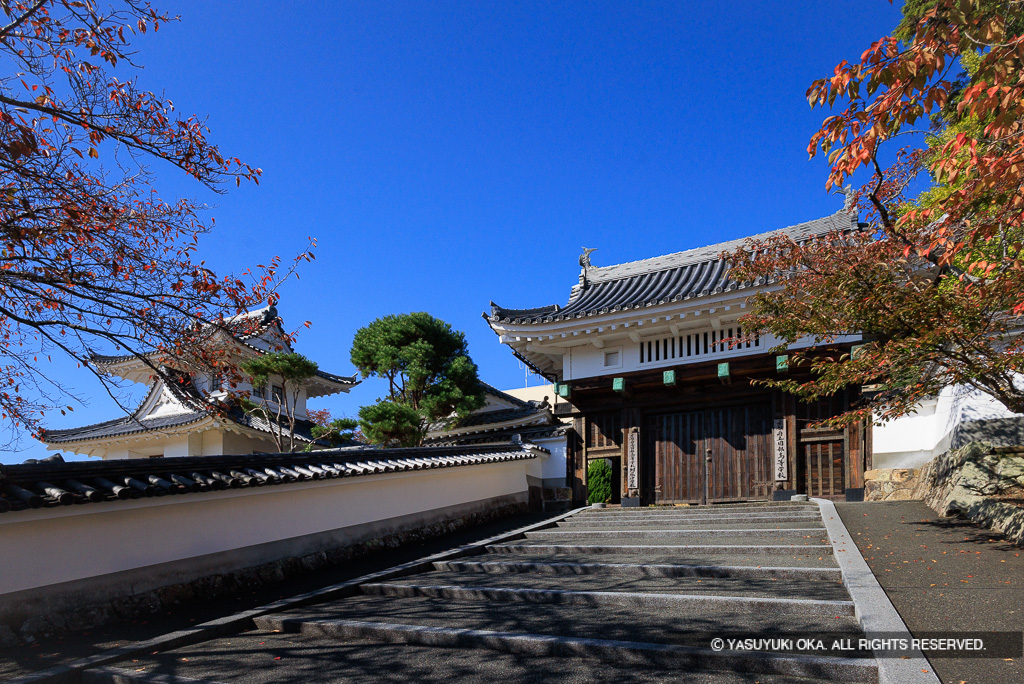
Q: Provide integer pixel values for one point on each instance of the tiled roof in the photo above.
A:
(129, 425)
(515, 401)
(122, 426)
(341, 379)
(52, 482)
(531, 433)
(501, 416)
(659, 280)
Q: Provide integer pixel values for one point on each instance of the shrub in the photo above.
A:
(599, 481)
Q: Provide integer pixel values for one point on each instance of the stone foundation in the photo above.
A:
(171, 596)
(556, 499)
(891, 484)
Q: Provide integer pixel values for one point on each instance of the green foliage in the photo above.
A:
(391, 424)
(289, 367)
(337, 432)
(599, 481)
(430, 376)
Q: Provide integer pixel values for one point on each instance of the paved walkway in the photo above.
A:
(944, 574)
(613, 595)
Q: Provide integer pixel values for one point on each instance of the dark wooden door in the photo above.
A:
(824, 466)
(739, 440)
(736, 439)
(677, 442)
(822, 453)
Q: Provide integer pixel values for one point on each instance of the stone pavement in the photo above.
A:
(606, 595)
(944, 574)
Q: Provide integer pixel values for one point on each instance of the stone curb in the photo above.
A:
(632, 653)
(641, 570)
(747, 604)
(70, 673)
(697, 549)
(874, 611)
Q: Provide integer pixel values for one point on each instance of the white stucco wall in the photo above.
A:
(49, 546)
(553, 466)
(914, 440)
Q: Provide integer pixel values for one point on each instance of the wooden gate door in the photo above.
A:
(677, 441)
(822, 454)
(739, 443)
(737, 440)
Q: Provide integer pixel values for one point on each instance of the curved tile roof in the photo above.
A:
(119, 427)
(659, 280)
(52, 482)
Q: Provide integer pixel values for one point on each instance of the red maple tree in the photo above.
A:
(934, 280)
(93, 259)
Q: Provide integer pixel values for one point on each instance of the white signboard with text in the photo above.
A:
(781, 459)
(632, 454)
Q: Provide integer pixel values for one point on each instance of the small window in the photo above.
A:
(259, 391)
(612, 358)
(276, 393)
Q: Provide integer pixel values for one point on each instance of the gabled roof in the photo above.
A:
(120, 427)
(246, 329)
(52, 482)
(504, 396)
(660, 280)
(522, 416)
(130, 425)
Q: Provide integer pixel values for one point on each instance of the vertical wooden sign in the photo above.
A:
(781, 455)
(632, 456)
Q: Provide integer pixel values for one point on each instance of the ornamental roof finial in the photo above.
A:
(850, 197)
(585, 257)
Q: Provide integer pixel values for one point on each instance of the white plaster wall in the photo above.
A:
(552, 466)
(587, 361)
(213, 443)
(915, 439)
(48, 546)
(177, 446)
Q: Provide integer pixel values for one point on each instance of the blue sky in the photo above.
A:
(448, 154)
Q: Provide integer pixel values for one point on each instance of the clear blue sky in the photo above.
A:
(448, 154)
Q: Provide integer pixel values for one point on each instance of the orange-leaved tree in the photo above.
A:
(93, 259)
(934, 280)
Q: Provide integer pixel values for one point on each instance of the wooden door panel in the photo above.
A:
(824, 469)
(678, 475)
(738, 441)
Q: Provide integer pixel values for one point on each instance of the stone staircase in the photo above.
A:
(641, 589)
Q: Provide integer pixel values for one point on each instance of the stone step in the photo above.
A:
(118, 675)
(670, 532)
(752, 559)
(569, 568)
(619, 652)
(652, 601)
(692, 549)
(593, 521)
(308, 658)
(815, 588)
(681, 626)
(717, 508)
